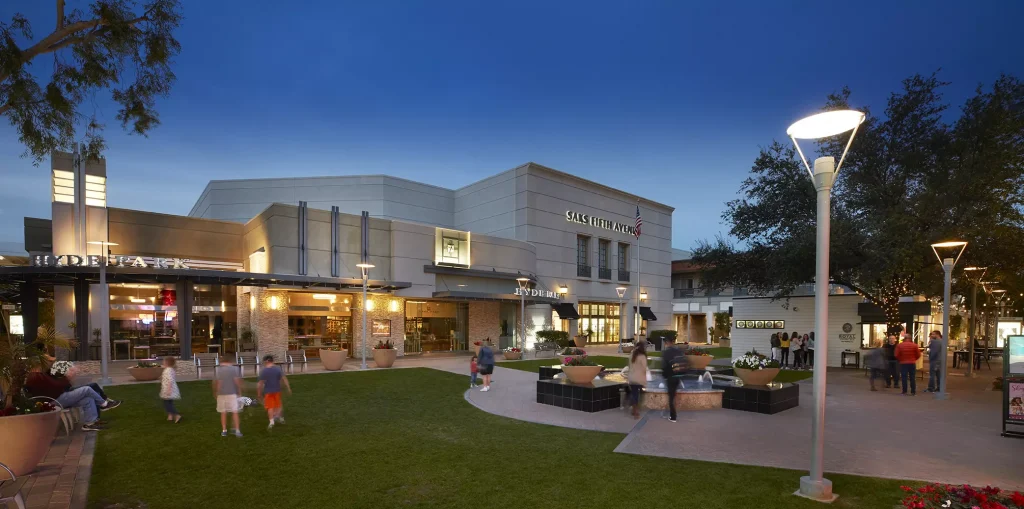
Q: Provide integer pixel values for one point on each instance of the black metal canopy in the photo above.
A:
(566, 311)
(646, 313)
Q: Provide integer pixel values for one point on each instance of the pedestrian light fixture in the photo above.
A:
(105, 323)
(524, 283)
(621, 291)
(948, 254)
(823, 175)
(365, 269)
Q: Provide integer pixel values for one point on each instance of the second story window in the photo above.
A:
(582, 251)
(623, 256)
(602, 254)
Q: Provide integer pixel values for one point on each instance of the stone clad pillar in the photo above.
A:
(384, 307)
(269, 322)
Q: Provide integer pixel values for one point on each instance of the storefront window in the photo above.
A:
(317, 320)
(873, 335)
(143, 322)
(601, 319)
(214, 319)
(435, 326)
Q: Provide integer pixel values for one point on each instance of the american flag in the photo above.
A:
(639, 222)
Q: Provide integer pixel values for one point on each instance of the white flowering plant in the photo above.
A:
(61, 368)
(754, 360)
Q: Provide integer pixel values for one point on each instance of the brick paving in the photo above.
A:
(62, 480)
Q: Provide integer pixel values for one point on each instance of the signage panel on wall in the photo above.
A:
(534, 292)
(599, 222)
(112, 261)
(760, 324)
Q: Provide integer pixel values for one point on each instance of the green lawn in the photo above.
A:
(407, 438)
(787, 375)
(720, 352)
(531, 365)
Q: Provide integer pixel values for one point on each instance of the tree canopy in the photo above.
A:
(909, 180)
(113, 44)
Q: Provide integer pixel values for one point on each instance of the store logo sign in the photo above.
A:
(113, 261)
(846, 337)
(599, 222)
(534, 292)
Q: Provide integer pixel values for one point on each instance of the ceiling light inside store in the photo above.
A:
(137, 300)
(324, 296)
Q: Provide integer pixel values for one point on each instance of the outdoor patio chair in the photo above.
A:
(10, 489)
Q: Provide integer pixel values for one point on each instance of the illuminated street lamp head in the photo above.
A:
(621, 291)
(365, 265)
(952, 249)
(523, 282)
(101, 243)
(825, 125)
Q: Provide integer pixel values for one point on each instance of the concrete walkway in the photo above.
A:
(61, 481)
(879, 434)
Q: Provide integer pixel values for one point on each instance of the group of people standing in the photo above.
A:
(802, 348)
(896, 363)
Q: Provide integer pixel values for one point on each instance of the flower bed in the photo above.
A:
(384, 354)
(755, 368)
(580, 369)
(948, 496)
(697, 358)
(513, 354)
(146, 371)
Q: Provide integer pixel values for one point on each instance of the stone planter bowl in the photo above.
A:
(628, 348)
(26, 440)
(384, 357)
(757, 376)
(513, 356)
(146, 374)
(333, 360)
(581, 341)
(582, 375)
(699, 362)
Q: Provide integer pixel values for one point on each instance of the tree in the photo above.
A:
(114, 45)
(909, 180)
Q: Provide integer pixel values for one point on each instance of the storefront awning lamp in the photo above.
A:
(643, 295)
(825, 125)
(562, 289)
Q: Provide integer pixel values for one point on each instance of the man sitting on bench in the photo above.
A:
(38, 383)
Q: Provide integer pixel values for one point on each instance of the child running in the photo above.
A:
(226, 389)
(473, 370)
(169, 390)
(269, 389)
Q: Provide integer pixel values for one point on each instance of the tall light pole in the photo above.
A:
(365, 268)
(104, 304)
(815, 127)
(621, 291)
(524, 283)
(974, 275)
(948, 254)
(1000, 295)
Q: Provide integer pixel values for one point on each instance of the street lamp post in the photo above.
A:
(621, 291)
(104, 303)
(948, 254)
(523, 284)
(822, 125)
(365, 268)
(974, 274)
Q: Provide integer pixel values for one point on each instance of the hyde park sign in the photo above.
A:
(113, 261)
(599, 222)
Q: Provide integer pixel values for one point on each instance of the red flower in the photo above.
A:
(1017, 498)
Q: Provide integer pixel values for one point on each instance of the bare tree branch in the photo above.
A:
(60, 14)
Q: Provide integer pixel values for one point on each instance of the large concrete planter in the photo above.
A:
(757, 376)
(333, 360)
(699, 362)
(26, 439)
(512, 356)
(581, 374)
(384, 357)
(581, 341)
(146, 374)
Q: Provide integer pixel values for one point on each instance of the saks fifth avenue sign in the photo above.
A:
(599, 222)
(534, 292)
(112, 261)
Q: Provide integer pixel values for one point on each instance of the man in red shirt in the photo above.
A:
(38, 383)
(907, 354)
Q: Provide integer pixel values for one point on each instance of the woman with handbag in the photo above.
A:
(637, 376)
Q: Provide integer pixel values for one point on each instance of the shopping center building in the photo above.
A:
(280, 258)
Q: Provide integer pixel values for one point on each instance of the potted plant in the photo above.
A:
(723, 325)
(146, 371)
(628, 347)
(247, 340)
(698, 358)
(659, 337)
(581, 340)
(513, 354)
(580, 369)
(572, 352)
(755, 368)
(27, 426)
(384, 354)
(333, 357)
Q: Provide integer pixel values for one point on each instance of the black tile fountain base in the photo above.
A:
(760, 398)
(601, 395)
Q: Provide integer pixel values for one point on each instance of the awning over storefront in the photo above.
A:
(566, 311)
(646, 313)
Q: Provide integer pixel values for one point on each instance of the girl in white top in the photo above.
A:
(169, 390)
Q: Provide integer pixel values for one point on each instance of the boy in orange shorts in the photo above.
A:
(269, 389)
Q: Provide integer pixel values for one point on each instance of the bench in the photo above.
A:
(205, 360)
(545, 346)
(10, 489)
(248, 359)
(296, 357)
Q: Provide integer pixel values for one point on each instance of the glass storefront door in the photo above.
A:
(436, 326)
(601, 319)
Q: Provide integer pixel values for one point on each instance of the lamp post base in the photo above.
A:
(820, 491)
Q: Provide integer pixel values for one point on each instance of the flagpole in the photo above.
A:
(636, 312)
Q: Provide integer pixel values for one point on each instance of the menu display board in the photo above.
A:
(1013, 386)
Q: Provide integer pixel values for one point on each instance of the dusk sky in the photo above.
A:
(668, 100)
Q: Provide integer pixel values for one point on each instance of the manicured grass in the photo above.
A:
(788, 376)
(720, 352)
(407, 438)
(531, 365)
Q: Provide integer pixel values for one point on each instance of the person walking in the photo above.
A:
(637, 376)
(875, 361)
(892, 372)
(907, 354)
(776, 348)
(269, 388)
(485, 362)
(169, 389)
(673, 362)
(796, 345)
(936, 350)
(226, 388)
(784, 344)
(809, 350)
(474, 368)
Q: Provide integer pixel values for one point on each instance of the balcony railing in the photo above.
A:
(604, 273)
(624, 276)
(682, 293)
(583, 271)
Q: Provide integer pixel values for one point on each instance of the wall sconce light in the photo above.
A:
(273, 302)
(252, 302)
(369, 304)
(394, 305)
(643, 295)
(562, 289)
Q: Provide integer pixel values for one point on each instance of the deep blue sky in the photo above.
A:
(668, 100)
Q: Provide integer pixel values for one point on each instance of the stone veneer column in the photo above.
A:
(244, 315)
(269, 322)
(385, 307)
(484, 321)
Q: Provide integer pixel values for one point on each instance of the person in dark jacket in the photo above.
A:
(936, 349)
(673, 362)
(485, 363)
(776, 347)
(875, 361)
(892, 375)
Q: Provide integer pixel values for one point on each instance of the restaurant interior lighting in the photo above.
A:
(137, 300)
(273, 302)
(369, 304)
(324, 296)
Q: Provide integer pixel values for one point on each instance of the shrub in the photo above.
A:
(384, 345)
(573, 351)
(581, 360)
(754, 360)
(934, 496)
(695, 351)
(144, 364)
(560, 338)
(663, 335)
